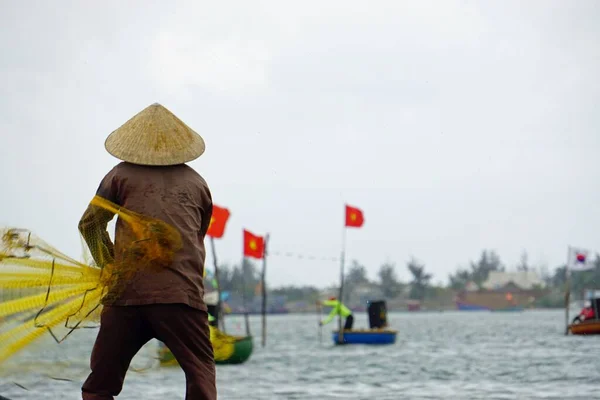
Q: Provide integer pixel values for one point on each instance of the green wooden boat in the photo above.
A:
(242, 350)
(228, 349)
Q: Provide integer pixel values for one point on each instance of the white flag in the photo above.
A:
(580, 260)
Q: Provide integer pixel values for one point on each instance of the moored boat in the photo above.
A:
(590, 327)
(227, 349)
(463, 306)
(587, 322)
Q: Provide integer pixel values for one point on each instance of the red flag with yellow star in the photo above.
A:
(218, 220)
(354, 217)
(254, 246)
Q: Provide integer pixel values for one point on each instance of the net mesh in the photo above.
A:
(43, 290)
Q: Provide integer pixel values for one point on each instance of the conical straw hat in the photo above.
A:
(155, 136)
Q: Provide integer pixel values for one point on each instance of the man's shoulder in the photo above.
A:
(125, 169)
(121, 168)
(114, 171)
(191, 172)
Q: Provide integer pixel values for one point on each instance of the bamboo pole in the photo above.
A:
(220, 314)
(319, 314)
(342, 259)
(567, 290)
(264, 293)
(246, 319)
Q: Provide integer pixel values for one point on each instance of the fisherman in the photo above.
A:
(338, 309)
(586, 313)
(153, 180)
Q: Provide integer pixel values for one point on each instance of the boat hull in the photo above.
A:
(227, 350)
(367, 336)
(461, 306)
(243, 347)
(585, 328)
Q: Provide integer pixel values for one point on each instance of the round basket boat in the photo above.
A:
(365, 336)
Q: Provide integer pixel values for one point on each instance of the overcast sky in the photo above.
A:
(454, 125)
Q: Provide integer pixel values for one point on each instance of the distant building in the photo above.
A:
(517, 280)
(502, 291)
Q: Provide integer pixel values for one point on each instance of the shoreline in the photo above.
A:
(407, 311)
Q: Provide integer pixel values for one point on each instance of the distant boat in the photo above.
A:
(463, 306)
(377, 333)
(413, 305)
(228, 349)
(590, 327)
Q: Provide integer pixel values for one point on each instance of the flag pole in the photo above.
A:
(342, 259)
(244, 295)
(264, 293)
(567, 290)
(220, 314)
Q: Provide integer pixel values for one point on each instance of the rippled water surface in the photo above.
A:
(437, 356)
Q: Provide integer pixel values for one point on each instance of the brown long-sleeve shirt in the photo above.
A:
(177, 195)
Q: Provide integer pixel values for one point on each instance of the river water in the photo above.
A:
(450, 355)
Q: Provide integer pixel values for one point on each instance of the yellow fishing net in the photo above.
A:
(43, 290)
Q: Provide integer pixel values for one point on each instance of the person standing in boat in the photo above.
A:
(338, 309)
(166, 304)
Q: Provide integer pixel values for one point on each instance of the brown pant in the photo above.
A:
(123, 332)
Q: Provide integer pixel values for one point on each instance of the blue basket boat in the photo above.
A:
(366, 336)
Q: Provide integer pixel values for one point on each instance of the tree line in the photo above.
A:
(245, 279)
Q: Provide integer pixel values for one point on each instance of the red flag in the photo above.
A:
(354, 217)
(218, 220)
(254, 246)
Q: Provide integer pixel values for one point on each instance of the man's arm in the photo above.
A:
(92, 227)
(330, 317)
(94, 222)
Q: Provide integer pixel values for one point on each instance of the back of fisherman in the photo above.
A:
(166, 304)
